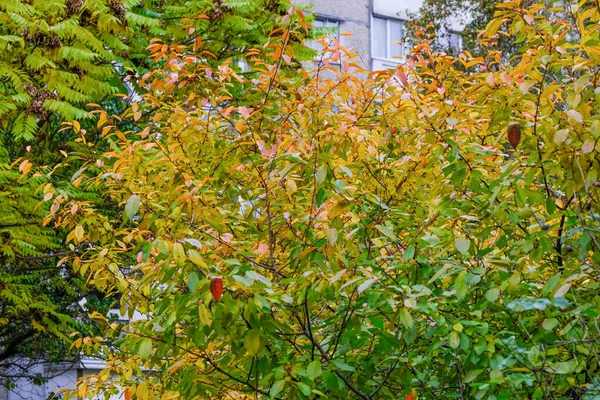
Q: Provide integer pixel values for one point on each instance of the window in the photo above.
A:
(387, 33)
(454, 41)
(324, 27)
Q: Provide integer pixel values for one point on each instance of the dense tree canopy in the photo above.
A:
(57, 56)
(427, 232)
(469, 18)
(445, 15)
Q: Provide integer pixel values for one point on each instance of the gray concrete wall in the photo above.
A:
(354, 17)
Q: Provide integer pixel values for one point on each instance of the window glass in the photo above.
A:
(380, 37)
(455, 41)
(318, 23)
(386, 35)
(395, 37)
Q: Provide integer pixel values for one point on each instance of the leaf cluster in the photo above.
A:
(375, 232)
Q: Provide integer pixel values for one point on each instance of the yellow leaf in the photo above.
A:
(204, 314)
(493, 26)
(25, 167)
(102, 120)
(79, 233)
(252, 342)
(339, 208)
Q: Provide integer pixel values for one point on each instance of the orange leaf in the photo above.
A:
(127, 393)
(216, 287)
(411, 396)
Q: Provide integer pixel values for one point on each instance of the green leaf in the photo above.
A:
(332, 236)
(321, 174)
(243, 280)
(561, 291)
(549, 323)
(132, 206)
(560, 136)
(193, 280)
(461, 286)
(492, 295)
(320, 197)
(314, 370)
(454, 339)
(342, 365)
(439, 273)
(178, 254)
(387, 231)
(304, 388)
(252, 342)
(566, 367)
(462, 245)
(276, 388)
(406, 318)
(408, 253)
(145, 348)
(366, 284)
(255, 276)
(520, 305)
(472, 375)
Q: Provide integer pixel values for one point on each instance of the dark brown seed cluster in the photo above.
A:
(85, 18)
(273, 5)
(119, 10)
(51, 41)
(73, 7)
(217, 12)
(38, 97)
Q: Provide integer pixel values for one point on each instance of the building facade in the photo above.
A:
(376, 27)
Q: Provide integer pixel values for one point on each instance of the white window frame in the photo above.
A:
(388, 41)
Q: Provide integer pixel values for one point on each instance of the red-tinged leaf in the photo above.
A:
(216, 287)
(402, 76)
(411, 396)
(514, 134)
(127, 393)
(245, 111)
(262, 249)
(23, 165)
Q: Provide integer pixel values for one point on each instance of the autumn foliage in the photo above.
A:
(424, 232)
